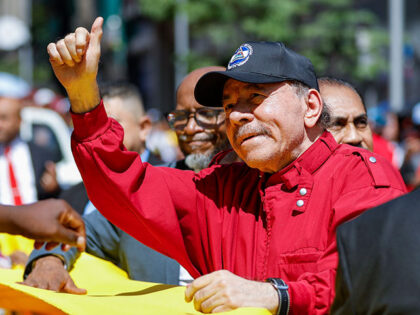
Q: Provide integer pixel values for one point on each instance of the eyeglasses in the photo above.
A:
(205, 117)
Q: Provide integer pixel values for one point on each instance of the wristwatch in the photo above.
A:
(283, 293)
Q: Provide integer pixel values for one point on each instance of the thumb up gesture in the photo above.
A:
(74, 60)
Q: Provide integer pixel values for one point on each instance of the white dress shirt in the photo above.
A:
(23, 170)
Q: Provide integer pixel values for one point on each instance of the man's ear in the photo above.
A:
(145, 124)
(313, 108)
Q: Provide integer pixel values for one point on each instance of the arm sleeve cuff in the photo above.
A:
(301, 298)
(68, 258)
(90, 125)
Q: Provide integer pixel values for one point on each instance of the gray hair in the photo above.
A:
(333, 81)
(302, 90)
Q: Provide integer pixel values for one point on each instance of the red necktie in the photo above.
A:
(13, 183)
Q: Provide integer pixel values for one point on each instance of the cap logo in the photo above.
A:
(240, 56)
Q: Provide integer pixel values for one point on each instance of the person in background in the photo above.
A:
(385, 130)
(410, 138)
(124, 103)
(349, 119)
(27, 171)
(235, 225)
(200, 130)
(349, 122)
(162, 140)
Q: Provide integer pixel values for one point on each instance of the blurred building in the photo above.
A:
(411, 53)
(142, 50)
(134, 47)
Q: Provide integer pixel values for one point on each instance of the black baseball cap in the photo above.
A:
(256, 62)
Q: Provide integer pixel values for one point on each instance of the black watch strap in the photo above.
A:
(283, 293)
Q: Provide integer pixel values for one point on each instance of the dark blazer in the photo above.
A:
(76, 196)
(39, 156)
(379, 260)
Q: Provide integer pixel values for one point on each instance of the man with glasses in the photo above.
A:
(200, 130)
(233, 226)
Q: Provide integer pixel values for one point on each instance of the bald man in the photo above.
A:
(200, 130)
(199, 144)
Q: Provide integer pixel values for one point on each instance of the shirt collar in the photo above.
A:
(318, 153)
(309, 161)
(15, 142)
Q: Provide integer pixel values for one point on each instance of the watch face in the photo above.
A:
(278, 283)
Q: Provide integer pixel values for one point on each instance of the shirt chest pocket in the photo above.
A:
(292, 266)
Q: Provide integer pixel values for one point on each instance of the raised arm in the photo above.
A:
(133, 195)
(74, 60)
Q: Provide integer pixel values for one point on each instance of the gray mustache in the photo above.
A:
(247, 129)
(197, 137)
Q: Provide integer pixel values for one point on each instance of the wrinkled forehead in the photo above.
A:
(343, 101)
(185, 99)
(189, 104)
(347, 111)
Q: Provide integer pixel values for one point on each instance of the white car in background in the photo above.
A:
(46, 128)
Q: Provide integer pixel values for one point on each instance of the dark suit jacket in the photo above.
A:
(76, 196)
(39, 156)
(379, 264)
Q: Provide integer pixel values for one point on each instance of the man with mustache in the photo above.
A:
(349, 122)
(259, 233)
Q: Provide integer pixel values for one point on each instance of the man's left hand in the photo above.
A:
(222, 291)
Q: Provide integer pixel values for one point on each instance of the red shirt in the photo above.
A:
(234, 217)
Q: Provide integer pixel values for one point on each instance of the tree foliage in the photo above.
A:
(339, 39)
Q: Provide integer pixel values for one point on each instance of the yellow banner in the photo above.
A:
(109, 292)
